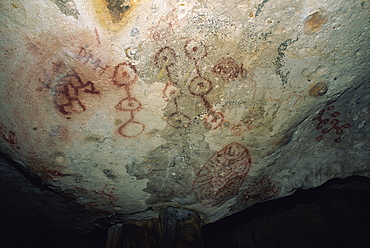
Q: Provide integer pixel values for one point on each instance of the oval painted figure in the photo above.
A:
(222, 175)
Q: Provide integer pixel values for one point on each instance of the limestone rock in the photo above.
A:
(128, 107)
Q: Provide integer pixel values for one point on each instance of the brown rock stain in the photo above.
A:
(314, 22)
(118, 122)
(318, 89)
(94, 138)
(112, 20)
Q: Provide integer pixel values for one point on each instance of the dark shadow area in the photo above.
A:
(19, 235)
(33, 214)
(336, 214)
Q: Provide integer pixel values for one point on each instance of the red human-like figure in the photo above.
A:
(124, 76)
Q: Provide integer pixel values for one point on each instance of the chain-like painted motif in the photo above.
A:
(198, 86)
(124, 76)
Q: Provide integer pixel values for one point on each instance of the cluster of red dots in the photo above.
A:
(328, 121)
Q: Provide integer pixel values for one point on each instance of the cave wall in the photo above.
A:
(127, 107)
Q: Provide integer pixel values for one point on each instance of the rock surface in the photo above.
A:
(128, 107)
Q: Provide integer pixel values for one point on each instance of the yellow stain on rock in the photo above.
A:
(114, 14)
(314, 22)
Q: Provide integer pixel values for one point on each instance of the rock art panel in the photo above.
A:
(124, 76)
(67, 88)
(222, 175)
(328, 120)
(164, 60)
(154, 86)
(198, 86)
(67, 93)
(87, 58)
(228, 69)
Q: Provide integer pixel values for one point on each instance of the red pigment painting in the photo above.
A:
(222, 175)
(260, 190)
(331, 118)
(107, 193)
(164, 60)
(86, 57)
(228, 69)
(124, 76)
(68, 89)
(68, 93)
(199, 86)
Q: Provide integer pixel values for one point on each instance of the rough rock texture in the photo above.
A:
(127, 107)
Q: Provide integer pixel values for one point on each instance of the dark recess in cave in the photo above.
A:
(335, 214)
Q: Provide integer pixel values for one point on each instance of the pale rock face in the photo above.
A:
(130, 106)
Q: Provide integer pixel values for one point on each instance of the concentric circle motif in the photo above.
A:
(227, 68)
(199, 86)
(195, 49)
